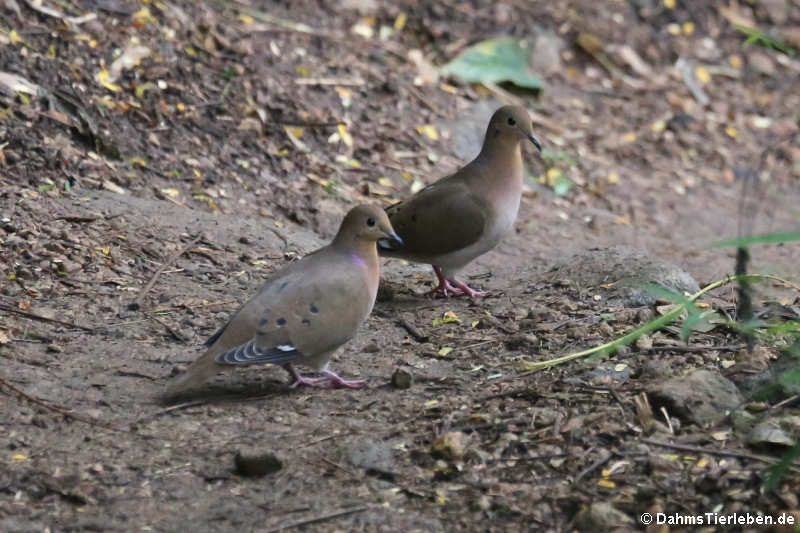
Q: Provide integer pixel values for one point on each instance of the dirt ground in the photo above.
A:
(136, 214)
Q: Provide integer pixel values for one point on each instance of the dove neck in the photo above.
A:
(503, 156)
(363, 251)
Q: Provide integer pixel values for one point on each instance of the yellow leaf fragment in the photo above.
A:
(623, 220)
(138, 161)
(669, 4)
(629, 137)
(171, 192)
(295, 131)
(446, 87)
(674, 29)
(613, 178)
(347, 139)
(731, 132)
(431, 403)
(102, 78)
(735, 61)
(400, 22)
(658, 126)
(702, 74)
(606, 483)
(19, 457)
(142, 17)
(14, 37)
(246, 19)
(302, 71)
(444, 351)
(429, 131)
(688, 28)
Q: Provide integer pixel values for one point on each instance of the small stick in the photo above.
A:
(60, 410)
(412, 330)
(176, 335)
(316, 520)
(351, 82)
(163, 267)
(723, 453)
(595, 465)
(12, 309)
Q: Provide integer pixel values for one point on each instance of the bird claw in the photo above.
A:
(455, 288)
(327, 380)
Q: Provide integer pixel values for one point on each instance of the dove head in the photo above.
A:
(365, 224)
(511, 123)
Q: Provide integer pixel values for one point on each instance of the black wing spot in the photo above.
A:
(314, 309)
(263, 322)
(306, 322)
(281, 321)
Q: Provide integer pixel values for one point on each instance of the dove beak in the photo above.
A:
(535, 142)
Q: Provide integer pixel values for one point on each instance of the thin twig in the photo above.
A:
(317, 519)
(4, 384)
(412, 330)
(163, 267)
(723, 453)
(175, 334)
(594, 466)
(34, 316)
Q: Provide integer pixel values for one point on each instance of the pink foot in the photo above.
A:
(328, 380)
(452, 287)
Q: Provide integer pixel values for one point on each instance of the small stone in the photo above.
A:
(644, 343)
(372, 347)
(483, 503)
(702, 397)
(450, 446)
(385, 292)
(601, 516)
(522, 340)
(54, 348)
(402, 379)
(254, 463)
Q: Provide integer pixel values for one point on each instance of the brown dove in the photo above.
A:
(464, 215)
(305, 311)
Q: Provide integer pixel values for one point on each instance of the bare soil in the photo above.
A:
(216, 163)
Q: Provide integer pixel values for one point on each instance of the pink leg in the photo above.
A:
(452, 287)
(330, 379)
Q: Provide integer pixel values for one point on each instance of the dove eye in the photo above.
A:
(511, 121)
(370, 222)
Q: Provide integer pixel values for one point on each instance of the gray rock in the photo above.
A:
(782, 430)
(601, 516)
(621, 274)
(702, 397)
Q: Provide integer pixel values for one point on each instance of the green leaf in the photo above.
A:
(769, 238)
(494, 61)
(790, 380)
(777, 471)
